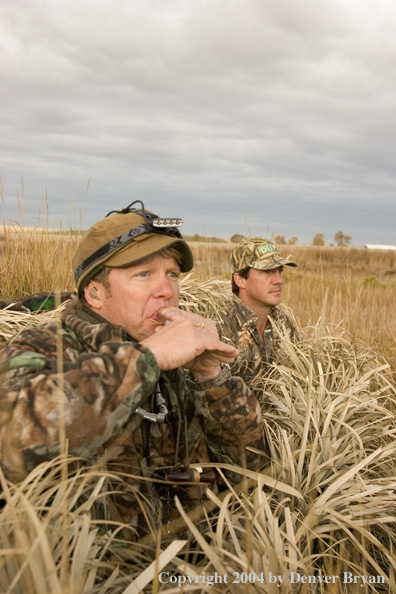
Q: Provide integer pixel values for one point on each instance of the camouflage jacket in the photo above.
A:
(88, 379)
(237, 324)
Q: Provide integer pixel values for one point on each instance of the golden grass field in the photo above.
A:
(321, 515)
(355, 287)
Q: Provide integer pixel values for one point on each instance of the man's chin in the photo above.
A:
(149, 329)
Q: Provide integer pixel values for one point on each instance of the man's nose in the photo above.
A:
(278, 277)
(165, 288)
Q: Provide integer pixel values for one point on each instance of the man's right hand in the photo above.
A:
(188, 340)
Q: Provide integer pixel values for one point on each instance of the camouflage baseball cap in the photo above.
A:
(124, 238)
(259, 253)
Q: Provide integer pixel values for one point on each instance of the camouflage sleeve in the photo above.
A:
(232, 419)
(228, 324)
(91, 398)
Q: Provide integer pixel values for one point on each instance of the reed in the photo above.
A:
(352, 286)
(322, 508)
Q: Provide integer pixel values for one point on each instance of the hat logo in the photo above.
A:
(264, 249)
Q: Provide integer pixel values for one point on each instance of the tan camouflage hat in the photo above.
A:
(124, 238)
(259, 253)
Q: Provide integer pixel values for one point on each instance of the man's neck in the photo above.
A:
(261, 312)
(261, 324)
(84, 312)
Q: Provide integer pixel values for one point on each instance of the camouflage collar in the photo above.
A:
(249, 316)
(87, 314)
(92, 330)
(245, 312)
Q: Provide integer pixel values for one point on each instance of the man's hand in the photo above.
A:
(190, 341)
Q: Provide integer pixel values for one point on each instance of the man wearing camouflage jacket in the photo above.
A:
(252, 320)
(132, 381)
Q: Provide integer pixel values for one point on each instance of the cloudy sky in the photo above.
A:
(241, 116)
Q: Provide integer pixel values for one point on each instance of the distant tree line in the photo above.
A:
(280, 239)
(197, 237)
(340, 239)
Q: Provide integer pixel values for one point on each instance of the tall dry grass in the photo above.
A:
(354, 287)
(323, 507)
(35, 259)
(32, 261)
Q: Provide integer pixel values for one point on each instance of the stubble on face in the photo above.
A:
(262, 289)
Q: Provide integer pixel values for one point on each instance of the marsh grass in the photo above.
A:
(323, 505)
(357, 287)
(30, 261)
(34, 258)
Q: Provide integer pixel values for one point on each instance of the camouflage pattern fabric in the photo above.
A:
(237, 324)
(89, 378)
(39, 302)
(259, 253)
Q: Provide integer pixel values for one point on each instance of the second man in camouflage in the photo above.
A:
(252, 320)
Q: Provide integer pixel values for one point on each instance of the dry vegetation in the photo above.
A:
(31, 262)
(354, 287)
(324, 506)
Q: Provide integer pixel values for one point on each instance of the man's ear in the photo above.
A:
(93, 294)
(239, 280)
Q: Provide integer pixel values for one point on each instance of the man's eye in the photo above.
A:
(174, 275)
(143, 274)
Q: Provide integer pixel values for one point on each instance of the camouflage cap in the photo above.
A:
(123, 239)
(259, 253)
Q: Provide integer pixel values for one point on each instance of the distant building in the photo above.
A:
(378, 246)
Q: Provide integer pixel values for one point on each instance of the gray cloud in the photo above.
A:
(268, 115)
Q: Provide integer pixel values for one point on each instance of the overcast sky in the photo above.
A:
(240, 116)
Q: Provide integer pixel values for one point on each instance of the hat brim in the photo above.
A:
(272, 262)
(148, 245)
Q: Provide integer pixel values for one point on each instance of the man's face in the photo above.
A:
(138, 292)
(262, 289)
